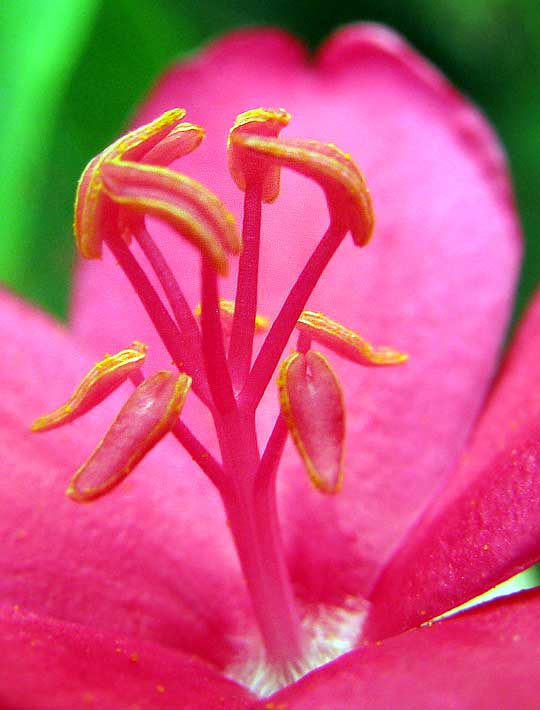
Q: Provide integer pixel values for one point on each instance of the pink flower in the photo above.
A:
(137, 600)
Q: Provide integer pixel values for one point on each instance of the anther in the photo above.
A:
(188, 207)
(106, 376)
(346, 342)
(311, 401)
(150, 413)
(246, 168)
(226, 309)
(90, 209)
(344, 185)
(118, 182)
(182, 140)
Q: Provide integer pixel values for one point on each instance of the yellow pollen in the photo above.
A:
(99, 382)
(226, 309)
(347, 342)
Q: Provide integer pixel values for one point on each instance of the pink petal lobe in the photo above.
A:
(47, 663)
(436, 281)
(143, 562)
(488, 657)
(485, 525)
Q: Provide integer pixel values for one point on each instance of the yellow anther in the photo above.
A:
(347, 342)
(338, 175)
(182, 140)
(226, 308)
(245, 168)
(130, 177)
(312, 404)
(103, 378)
(89, 207)
(187, 206)
(151, 411)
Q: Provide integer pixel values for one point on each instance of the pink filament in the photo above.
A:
(245, 308)
(178, 303)
(283, 326)
(245, 481)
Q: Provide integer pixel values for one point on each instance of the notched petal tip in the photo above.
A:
(106, 376)
(150, 412)
(346, 342)
(345, 187)
(311, 401)
(246, 168)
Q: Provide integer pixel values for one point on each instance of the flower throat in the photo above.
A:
(212, 344)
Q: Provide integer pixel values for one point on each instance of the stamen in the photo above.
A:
(90, 208)
(312, 405)
(260, 182)
(283, 326)
(105, 377)
(182, 140)
(121, 187)
(246, 169)
(215, 359)
(184, 204)
(185, 319)
(344, 184)
(346, 342)
(145, 418)
(350, 208)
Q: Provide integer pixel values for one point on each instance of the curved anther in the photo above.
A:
(345, 187)
(226, 309)
(346, 342)
(106, 376)
(182, 140)
(311, 401)
(186, 205)
(129, 177)
(151, 412)
(245, 167)
(89, 203)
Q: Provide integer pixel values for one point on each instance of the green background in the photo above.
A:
(73, 71)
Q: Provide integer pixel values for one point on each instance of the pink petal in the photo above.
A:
(143, 561)
(47, 663)
(485, 658)
(485, 526)
(436, 282)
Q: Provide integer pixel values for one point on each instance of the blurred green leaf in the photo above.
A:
(104, 63)
(40, 42)
(129, 47)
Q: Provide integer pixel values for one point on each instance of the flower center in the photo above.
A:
(212, 346)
